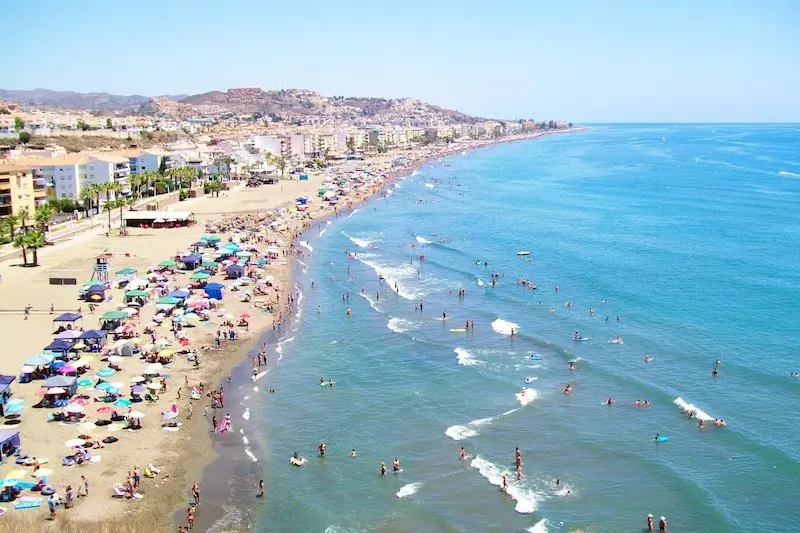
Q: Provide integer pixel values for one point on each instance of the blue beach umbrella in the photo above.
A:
(112, 390)
(104, 386)
(13, 408)
(122, 402)
(105, 372)
(84, 382)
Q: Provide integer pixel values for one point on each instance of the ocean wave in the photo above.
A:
(246, 414)
(324, 230)
(353, 212)
(250, 454)
(372, 302)
(305, 245)
(503, 327)
(787, 173)
(429, 185)
(687, 407)
(538, 527)
(526, 499)
(472, 429)
(361, 243)
(397, 276)
(415, 173)
(465, 358)
(422, 240)
(408, 490)
(305, 266)
(526, 396)
(400, 325)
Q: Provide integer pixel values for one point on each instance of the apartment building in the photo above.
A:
(20, 189)
(146, 160)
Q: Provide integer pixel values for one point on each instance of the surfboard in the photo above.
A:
(458, 330)
(662, 438)
(581, 339)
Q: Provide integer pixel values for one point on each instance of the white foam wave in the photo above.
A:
(504, 327)
(465, 358)
(245, 440)
(526, 396)
(538, 527)
(415, 173)
(259, 376)
(400, 325)
(246, 414)
(399, 276)
(459, 432)
(787, 173)
(408, 490)
(526, 499)
(362, 243)
(422, 240)
(481, 283)
(250, 454)
(372, 302)
(305, 245)
(321, 233)
(429, 185)
(305, 266)
(353, 212)
(687, 407)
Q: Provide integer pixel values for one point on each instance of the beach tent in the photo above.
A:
(179, 293)
(93, 334)
(214, 290)
(198, 244)
(68, 317)
(234, 272)
(322, 191)
(68, 334)
(68, 383)
(5, 391)
(232, 247)
(60, 345)
(9, 442)
(168, 264)
(191, 261)
(133, 294)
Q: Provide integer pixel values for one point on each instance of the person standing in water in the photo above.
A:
(383, 468)
(261, 488)
(462, 453)
(322, 449)
(650, 523)
(396, 465)
(662, 525)
(504, 486)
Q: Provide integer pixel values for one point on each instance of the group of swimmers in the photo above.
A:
(662, 524)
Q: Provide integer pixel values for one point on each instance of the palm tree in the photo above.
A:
(109, 206)
(19, 242)
(87, 197)
(136, 182)
(33, 241)
(22, 215)
(97, 189)
(214, 186)
(43, 215)
(8, 226)
(228, 161)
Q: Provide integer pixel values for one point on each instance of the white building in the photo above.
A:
(300, 146)
(63, 176)
(267, 143)
(145, 160)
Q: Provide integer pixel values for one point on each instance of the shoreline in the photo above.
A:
(219, 465)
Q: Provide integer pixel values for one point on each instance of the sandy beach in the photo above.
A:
(180, 454)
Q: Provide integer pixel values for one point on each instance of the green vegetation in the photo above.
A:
(18, 123)
(24, 137)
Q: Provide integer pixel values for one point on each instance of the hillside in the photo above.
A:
(74, 100)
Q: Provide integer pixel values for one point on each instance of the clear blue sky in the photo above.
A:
(585, 61)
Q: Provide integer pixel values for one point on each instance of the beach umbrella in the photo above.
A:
(104, 386)
(136, 414)
(167, 264)
(84, 360)
(244, 315)
(122, 402)
(27, 369)
(67, 369)
(137, 389)
(137, 379)
(153, 368)
(105, 372)
(117, 384)
(78, 401)
(74, 408)
(162, 342)
(166, 353)
(153, 386)
(199, 275)
(227, 316)
(169, 415)
(56, 390)
(13, 408)
(72, 443)
(84, 382)
(105, 410)
(115, 359)
(43, 472)
(79, 345)
(57, 364)
(113, 427)
(40, 392)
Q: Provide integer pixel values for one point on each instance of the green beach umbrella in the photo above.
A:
(210, 238)
(126, 271)
(114, 315)
(210, 264)
(168, 263)
(199, 275)
(245, 254)
(168, 300)
(135, 293)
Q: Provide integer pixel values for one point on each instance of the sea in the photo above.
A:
(683, 241)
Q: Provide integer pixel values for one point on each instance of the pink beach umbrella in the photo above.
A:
(67, 369)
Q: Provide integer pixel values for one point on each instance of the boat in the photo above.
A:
(523, 252)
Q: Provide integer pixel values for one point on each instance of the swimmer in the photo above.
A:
(650, 523)
(648, 358)
(715, 372)
(609, 401)
(571, 365)
(504, 487)
(322, 449)
(383, 468)
(558, 482)
(348, 312)
(353, 453)
(720, 423)
(519, 473)
(658, 435)
(701, 425)
(322, 380)
(577, 336)
(462, 453)
(568, 388)
(662, 525)
(395, 465)
(319, 309)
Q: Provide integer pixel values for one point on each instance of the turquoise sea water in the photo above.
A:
(688, 233)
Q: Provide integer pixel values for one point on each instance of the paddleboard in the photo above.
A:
(581, 339)
(458, 330)
(662, 438)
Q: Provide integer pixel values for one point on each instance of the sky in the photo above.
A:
(580, 61)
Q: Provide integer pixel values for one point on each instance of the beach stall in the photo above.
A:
(111, 320)
(61, 346)
(135, 297)
(147, 219)
(233, 272)
(65, 318)
(214, 290)
(191, 261)
(94, 338)
(95, 293)
(125, 275)
(9, 443)
(68, 384)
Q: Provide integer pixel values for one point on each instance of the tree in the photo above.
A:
(8, 227)
(33, 241)
(19, 242)
(109, 125)
(4, 111)
(43, 215)
(83, 126)
(23, 215)
(87, 197)
(162, 166)
(109, 206)
(97, 189)
(214, 186)
(228, 162)
(24, 137)
(18, 123)
(351, 144)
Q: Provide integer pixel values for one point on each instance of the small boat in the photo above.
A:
(523, 252)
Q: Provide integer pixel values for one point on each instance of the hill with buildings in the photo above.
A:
(75, 100)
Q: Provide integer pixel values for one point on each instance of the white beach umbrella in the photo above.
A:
(153, 386)
(74, 408)
(56, 390)
(137, 379)
(153, 368)
(71, 443)
(136, 414)
(115, 359)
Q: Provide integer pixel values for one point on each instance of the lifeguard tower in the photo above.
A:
(100, 271)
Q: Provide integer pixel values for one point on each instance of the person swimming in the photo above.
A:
(353, 452)
(609, 401)
(383, 468)
(648, 358)
(568, 388)
(715, 372)
(571, 365)
(577, 336)
(462, 453)
(396, 465)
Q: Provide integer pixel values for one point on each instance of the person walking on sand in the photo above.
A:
(191, 411)
(261, 488)
(190, 517)
(52, 501)
(84, 485)
(214, 423)
(196, 493)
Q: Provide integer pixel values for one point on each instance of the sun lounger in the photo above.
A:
(28, 503)
(119, 492)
